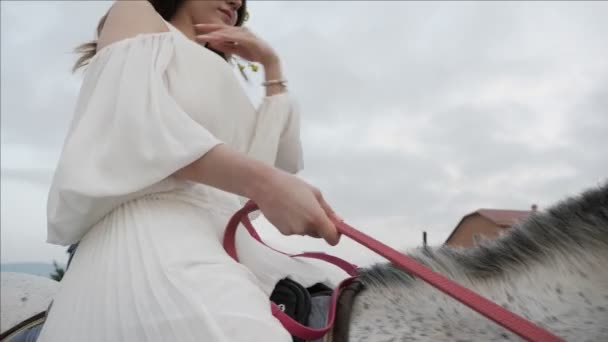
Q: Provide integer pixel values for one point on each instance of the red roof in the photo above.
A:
(503, 218)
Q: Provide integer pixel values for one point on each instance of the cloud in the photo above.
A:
(38, 89)
(413, 113)
(23, 223)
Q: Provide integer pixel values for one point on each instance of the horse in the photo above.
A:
(549, 268)
(25, 299)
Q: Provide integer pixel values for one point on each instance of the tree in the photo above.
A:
(58, 273)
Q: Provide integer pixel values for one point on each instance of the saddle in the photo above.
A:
(298, 302)
(29, 329)
(26, 331)
(310, 307)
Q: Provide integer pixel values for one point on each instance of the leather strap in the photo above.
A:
(294, 327)
(487, 308)
(242, 216)
(509, 320)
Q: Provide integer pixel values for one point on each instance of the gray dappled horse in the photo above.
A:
(551, 268)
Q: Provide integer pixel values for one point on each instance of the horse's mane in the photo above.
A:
(573, 229)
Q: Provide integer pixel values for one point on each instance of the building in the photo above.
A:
(485, 224)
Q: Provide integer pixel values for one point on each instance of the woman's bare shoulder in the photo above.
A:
(128, 18)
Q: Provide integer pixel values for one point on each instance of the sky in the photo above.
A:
(414, 114)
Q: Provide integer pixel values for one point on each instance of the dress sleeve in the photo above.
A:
(277, 135)
(127, 134)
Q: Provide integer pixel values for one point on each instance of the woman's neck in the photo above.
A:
(184, 22)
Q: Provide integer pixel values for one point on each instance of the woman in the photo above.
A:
(163, 147)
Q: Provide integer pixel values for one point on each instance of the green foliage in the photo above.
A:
(58, 273)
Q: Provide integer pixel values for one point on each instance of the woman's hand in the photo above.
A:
(295, 207)
(236, 40)
(289, 203)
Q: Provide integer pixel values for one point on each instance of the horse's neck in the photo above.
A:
(571, 305)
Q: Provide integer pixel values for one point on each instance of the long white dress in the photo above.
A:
(150, 265)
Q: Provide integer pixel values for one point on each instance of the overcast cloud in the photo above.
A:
(414, 113)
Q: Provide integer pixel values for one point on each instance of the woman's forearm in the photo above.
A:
(272, 71)
(229, 170)
(289, 203)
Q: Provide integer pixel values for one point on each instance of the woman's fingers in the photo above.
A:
(224, 45)
(314, 234)
(216, 31)
(327, 228)
(329, 210)
(234, 40)
(295, 207)
(206, 32)
(216, 37)
(226, 42)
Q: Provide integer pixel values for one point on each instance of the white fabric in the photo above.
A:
(150, 265)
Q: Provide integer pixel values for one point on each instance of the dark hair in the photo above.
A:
(166, 9)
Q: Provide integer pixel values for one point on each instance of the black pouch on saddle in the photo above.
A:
(295, 300)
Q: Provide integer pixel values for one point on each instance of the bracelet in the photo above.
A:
(282, 82)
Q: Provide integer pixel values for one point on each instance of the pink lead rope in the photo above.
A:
(487, 308)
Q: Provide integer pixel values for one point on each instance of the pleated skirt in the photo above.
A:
(154, 269)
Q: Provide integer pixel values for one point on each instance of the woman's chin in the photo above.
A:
(212, 20)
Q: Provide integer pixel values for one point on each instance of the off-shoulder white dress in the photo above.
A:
(150, 265)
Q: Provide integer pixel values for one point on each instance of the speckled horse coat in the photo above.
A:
(552, 269)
